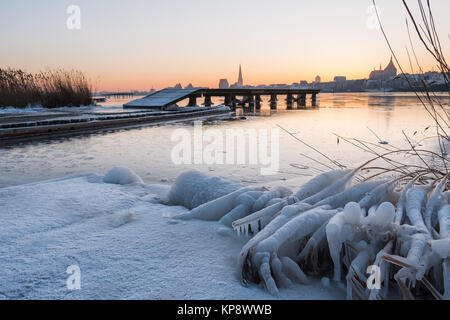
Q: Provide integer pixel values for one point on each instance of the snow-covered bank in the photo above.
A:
(28, 109)
(39, 108)
(125, 242)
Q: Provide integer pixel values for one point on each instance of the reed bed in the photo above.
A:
(49, 89)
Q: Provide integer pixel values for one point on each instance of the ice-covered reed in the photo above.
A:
(339, 230)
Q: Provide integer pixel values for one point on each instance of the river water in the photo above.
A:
(148, 150)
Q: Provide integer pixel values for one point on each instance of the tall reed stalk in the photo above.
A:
(49, 89)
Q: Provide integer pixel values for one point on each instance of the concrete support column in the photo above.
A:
(233, 102)
(313, 99)
(273, 101)
(301, 100)
(258, 102)
(289, 100)
(251, 102)
(208, 102)
(228, 100)
(192, 101)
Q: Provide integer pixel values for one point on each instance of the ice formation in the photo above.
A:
(121, 175)
(333, 225)
(193, 188)
(50, 225)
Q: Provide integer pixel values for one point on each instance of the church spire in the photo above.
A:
(240, 81)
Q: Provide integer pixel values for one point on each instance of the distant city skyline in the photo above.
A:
(388, 77)
(155, 44)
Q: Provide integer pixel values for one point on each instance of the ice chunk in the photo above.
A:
(441, 247)
(352, 213)
(121, 175)
(384, 215)
(193, 188)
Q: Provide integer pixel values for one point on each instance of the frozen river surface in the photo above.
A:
(148, 149)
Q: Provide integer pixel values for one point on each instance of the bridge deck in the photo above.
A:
(161, 98)
(166, 97)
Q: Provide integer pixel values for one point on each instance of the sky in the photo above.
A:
(143, 44)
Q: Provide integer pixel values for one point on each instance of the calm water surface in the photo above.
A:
(147, 150)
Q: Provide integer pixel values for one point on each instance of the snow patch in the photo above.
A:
(122, 218)
(50, 225)
(225, 232)
(121, 175)
(28, 109)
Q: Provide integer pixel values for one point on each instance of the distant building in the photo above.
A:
(340, 78)
(303, 83)
(178, 86)
(189, 86)
(389, 72)
(240, 81)
(317, 80)
(354, 85)
(278, 86)
(223, 84)
(373, 85)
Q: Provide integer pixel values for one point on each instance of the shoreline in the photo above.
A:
(44, 126)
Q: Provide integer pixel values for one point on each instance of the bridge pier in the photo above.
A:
(273, 101)
(289, 100)
(313, 99)
(228, 101)
(208, 102)
(251, 103)
(192, 101)
(301, 101)
(258, 102)
(242, 102)
(233, 102)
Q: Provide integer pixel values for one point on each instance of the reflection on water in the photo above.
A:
(147, 149)
(387, 101)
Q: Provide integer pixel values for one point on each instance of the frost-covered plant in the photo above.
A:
(338, 230)
(387, 213)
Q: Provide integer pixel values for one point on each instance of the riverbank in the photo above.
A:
(125, 243)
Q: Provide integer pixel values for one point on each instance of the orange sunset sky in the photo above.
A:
(138, 45)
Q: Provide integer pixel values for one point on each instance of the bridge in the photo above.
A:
(119, 94)
(251, 98)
